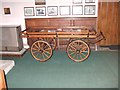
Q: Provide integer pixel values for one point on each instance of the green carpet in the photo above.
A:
(100, 70)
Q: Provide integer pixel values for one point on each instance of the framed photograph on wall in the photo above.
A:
(6, 10)
(52, 10)
(40, 2)
(64, 10)
(89, 10)
(77, 10)
(89, 1)
(77, 1)
(40, 11)
(29, 11)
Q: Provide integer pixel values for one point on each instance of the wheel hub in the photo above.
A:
(40, 51)
(78, 51)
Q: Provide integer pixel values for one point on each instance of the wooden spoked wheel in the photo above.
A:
(41, 50)
(51, 41)
(78, 50)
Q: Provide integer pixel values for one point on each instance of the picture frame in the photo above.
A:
(89, 1)
(77, 10)
(52, 10)
(6, 10)
(40, 11)
(77, 1)
(64, 10)
(40, 2)
(89, 10)
(29, 11)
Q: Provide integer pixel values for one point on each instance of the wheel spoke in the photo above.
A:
(47, 49)
(73, 47)
(34, 49)
(80, 56)
(84, 49)
(77, 56)
(39, 44)
(36, 46)
(46, 46)
(83, 54)
(45, 54)
(72, 53)
(36, 54)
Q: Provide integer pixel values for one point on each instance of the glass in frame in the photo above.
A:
(40, 11)
(89, 10)
(77, 10)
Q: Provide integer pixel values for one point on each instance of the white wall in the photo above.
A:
(17, 13)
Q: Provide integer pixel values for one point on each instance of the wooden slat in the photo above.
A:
(76, 36)
(41, 36)
(41, 33)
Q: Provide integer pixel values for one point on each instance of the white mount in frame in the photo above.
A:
(64, 10)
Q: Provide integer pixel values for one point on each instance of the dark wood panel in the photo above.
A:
(59, 22)
(108, 22)
(42, 22)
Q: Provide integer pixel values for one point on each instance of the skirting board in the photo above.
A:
(6, 65)
(13, 53)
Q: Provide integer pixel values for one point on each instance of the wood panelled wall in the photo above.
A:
(108, 22)
(60, 22)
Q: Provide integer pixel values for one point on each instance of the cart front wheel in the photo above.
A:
(41, 50)
(78, 50)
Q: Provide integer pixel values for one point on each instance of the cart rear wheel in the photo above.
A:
(51, 41)
(41, 50)
(78, 50)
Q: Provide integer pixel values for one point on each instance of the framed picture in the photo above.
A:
(89, 1)
(52, 10)
(77, 10)
(40, 2)
(6, 10)
(89, 10)
(40, 11)
(77, 1)
(64, 10)
(29, 11)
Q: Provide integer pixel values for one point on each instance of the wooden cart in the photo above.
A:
(79, 39)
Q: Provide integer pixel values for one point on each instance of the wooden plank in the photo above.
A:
(103, 20)
(41, 36)
(110, 28)
(41, 33)
(76, 36)
(2, 81)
